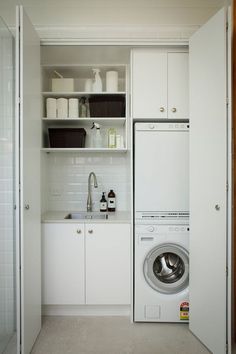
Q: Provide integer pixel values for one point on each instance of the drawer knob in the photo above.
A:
(162, 109)
(90, 231)
(78, 231)
(174, 109)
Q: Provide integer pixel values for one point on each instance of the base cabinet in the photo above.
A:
(86, 264)
(107, 264)
(63, 264)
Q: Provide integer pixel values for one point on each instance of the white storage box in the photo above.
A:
(62, 85)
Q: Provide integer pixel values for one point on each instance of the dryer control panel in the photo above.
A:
(161, 229)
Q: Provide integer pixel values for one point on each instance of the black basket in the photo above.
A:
(67, 137)
(107, 106)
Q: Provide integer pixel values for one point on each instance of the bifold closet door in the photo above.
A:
(28, 115)
(208, 184)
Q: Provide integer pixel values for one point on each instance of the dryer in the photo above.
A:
(161, 279)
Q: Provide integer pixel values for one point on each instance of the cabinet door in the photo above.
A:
(149, 84)
(178, 86)
(28, 118)
(208, 180)
(63, 264)
(107, 264)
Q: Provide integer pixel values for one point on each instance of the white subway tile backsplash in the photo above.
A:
(65, 180)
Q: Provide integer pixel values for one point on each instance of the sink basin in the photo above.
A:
(84, 215)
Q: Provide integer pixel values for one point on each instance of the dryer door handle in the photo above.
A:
(147, 238)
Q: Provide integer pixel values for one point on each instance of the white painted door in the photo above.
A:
(178, 85)
(63, 264)
(28, 113)
(208, 178)
(149, 83)
(107, 264)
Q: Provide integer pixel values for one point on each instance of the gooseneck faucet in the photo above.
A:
(89, 200)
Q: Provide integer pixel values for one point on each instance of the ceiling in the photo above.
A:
(62, 13)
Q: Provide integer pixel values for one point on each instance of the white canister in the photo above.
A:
(111, 81)
(88, 85)
(51, 108)
(62, 108)
(73, 108)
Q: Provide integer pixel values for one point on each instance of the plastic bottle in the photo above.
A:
(103, 203)
(97, 137)
(111, 201)
(83, 108)
(97, 82)
(112, 138)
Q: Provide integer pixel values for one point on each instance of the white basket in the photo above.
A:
(62, 85)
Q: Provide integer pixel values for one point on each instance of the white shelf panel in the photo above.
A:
(118, 121)
(121, 150)
(79, 93)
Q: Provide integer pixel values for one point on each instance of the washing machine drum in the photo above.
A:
(166, 268)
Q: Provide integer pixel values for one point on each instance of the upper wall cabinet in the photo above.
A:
(159, 84)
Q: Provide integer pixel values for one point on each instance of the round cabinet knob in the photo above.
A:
(151, 229)
(162, 109)
(90, 231)
(217, 207)
(78, 231)
(27, 206)
(174, 110)
(151, 126)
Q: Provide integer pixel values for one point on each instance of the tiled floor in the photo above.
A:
(114, 335)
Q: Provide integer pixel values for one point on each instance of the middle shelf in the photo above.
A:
(106, 121)
(81, 133)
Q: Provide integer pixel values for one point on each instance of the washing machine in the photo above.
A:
(161, 275)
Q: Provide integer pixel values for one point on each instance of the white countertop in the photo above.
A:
(59, 217)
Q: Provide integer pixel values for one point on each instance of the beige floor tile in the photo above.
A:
(114, 335)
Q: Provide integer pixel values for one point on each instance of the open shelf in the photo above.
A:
(81, 73)
(84, 150)
(114, 121)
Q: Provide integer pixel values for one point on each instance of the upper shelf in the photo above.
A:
(80, 74)
(84, 70)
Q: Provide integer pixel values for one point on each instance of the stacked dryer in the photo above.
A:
(161, 238)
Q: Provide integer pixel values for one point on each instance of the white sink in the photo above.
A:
(86, 215)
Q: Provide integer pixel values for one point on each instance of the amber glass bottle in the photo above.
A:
(111, 201)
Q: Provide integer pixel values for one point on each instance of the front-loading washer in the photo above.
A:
(161, 274)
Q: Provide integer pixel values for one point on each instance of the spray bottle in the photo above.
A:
(97, 82)
(96, 137)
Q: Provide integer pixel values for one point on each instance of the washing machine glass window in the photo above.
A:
(166, 268)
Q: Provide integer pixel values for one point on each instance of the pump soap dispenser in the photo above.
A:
(97, 81)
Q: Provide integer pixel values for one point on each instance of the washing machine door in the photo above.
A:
(166, 268)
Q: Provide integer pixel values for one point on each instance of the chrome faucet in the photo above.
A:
(89, 200)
